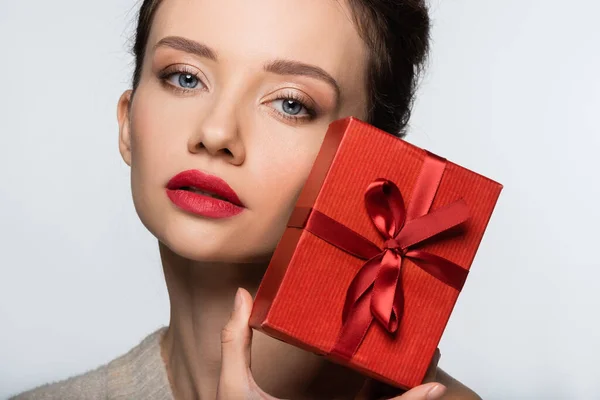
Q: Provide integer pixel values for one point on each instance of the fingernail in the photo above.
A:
(238, 300)
(436, 392)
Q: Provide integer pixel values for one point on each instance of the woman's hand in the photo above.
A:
(236, 381)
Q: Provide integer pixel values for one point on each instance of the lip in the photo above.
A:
(228, 205)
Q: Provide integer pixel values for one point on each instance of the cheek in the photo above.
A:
(278, 164)
(159, 137)
(154, 145)
(283, 178)
(156, 131)
(284, 187)
(274, 203)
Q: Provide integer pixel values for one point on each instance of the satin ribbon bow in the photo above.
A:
(376, 290)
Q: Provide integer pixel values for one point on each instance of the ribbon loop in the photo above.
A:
(385, 206)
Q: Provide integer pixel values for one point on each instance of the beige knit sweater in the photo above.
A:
(138, 374)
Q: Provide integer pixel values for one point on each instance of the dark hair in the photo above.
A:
(395, 31)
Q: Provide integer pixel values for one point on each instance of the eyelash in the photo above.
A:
(183, 70)
(311, 113)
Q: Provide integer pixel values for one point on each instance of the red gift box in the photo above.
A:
(375, 254)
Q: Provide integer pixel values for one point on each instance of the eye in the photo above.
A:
(291, 106)
(185, 80)
(181, 78)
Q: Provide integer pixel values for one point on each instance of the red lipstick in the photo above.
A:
(203, 194)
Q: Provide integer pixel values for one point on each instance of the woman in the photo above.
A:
(234, 97)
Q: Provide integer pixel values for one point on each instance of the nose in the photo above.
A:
(218, 134)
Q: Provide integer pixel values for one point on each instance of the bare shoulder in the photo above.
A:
(455, 389)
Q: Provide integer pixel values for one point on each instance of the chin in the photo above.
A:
(195, 250)
(204, 240)
(237, 240)
(197, 253)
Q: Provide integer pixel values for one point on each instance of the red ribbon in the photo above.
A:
(376, 290)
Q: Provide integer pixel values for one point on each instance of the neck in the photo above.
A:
(201, 296)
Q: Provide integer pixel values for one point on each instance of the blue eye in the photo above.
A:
(292, 107)
(186, 81)
(181, 78)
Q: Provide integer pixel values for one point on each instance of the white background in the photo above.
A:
(512, 92)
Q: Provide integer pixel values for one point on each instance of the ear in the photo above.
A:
(124, 126)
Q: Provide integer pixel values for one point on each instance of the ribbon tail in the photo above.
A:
(360, 284)
(384, 291)
(398, 307)
(353, 330)
(434, 223)
(444, 270)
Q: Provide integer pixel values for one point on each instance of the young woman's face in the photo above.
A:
(242, 90)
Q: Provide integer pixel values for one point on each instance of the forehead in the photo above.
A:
(319, 32)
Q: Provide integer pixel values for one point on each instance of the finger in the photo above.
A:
(431, 374)
(429, 391)
(236, 341)
(365, 390)
(436, 356)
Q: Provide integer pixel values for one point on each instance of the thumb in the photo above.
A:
(430, 391)
(236, 340)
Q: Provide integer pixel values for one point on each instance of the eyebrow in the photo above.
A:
(291, 67)
(188, 46)
(278, 66)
